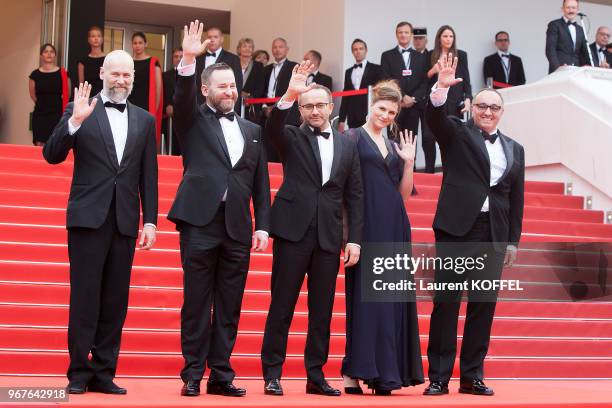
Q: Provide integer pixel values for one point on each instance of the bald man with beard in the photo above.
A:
(115, 172)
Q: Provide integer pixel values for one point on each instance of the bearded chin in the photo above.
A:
(117, 94)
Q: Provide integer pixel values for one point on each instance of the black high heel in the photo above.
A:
(353, 390)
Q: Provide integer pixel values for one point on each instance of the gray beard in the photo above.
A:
(115, 95)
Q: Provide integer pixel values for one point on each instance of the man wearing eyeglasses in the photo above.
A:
(504, 68)
(481, 204)
(601, 57)
(321, 173)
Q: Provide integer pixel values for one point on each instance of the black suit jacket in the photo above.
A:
(282, 83)
(493, 68)
(560, 48)
(354, 109)
(595, 55)
(415, 85)
(254, 86)
(302, 197)
(97, 175)
(208, 172)
(169, 79)
(466, 179)
(230, 59)
(324, 80)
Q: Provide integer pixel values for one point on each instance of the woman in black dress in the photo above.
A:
(252, 77)
(382, 338)
(147, 90)
(89, 67)
(49, 89)
(460, 95)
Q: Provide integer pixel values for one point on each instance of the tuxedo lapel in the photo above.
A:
(132, 134)
(314, 145)
(213, 122)
(509, 152)
(106, 133)
(337, 154)
(476, 135)
(566, 30)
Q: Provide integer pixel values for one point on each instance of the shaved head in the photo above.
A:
(118, 57)
(117, 74)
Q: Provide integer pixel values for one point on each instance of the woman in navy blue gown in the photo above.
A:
(382, 339)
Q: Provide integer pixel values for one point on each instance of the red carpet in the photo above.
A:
(553, 342)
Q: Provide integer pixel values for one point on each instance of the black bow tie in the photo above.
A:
(569, 23)
(360, 65)
(405, 50)
(490, 138)
(211, 54)
(505, 55)
(119, 106)
(317, 132)
(228, 115)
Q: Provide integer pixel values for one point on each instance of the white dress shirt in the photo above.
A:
(505, 63)
(405, 56)
(572, 30)
(274, 76)
(209, 60)
(497, 157)
(357, 75)
(311, 77)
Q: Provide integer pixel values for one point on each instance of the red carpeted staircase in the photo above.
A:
(543, 340)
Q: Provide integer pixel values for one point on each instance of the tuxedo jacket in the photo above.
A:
(493, 67)
(208, 172)
(415, 84)
(354, 109)
(466, 179)
(97, 174)
(230, 59)
(301, 197)
(324, 80)
(595, 55)
(560, 48)
(254, 83)
(169, 80)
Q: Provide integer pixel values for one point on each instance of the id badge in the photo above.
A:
(406, 72)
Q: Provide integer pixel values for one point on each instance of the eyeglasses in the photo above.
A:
(503, 40)
(482, 107)
(309, 107)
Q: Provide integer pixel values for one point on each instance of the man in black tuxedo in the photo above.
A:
(321, 174)
(481, 204)
(565, 41)
(169, 79)
(601, 56)
(115, 171)
(502, 66)
(276, 80)
(317, 76)
(224, 167)
(215, 54)
(354, 109)
(409, 68)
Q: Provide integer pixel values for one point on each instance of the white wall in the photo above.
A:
(475, 22)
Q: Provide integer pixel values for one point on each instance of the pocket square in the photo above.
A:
(255, 140)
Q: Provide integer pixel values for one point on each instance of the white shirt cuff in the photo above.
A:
(186, 70)
(351, 243)
(151, 225)
(71, 128)
(263, 232)
(438, 95)
(284, 105)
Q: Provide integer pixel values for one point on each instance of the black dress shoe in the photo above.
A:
(476, 387)
(379, 391)
(353, 390)
(106, 388)
(191, 388)
(321, 388)
(436, 388)
(76, 388)
(273, 387)
(227, 389)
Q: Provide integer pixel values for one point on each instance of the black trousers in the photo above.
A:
(215, 269)
(292, 261)
(442, 347)
(100, 268)
(429, 145)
